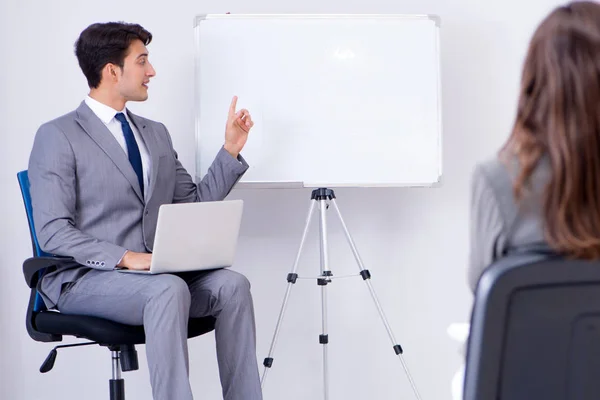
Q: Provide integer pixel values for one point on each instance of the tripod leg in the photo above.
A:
(325, 273)
(366, 277)
(291, 278)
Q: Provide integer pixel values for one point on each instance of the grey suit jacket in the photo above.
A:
(87, 202)
(499, 223)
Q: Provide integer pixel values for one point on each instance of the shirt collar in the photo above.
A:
(102, 111)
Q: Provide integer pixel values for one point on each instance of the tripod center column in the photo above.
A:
(322, 196)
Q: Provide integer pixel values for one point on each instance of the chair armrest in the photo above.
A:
(32, 265)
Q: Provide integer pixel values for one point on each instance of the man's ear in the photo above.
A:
(110, 72)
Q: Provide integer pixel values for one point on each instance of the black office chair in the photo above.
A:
(45, 325)
(535, 330)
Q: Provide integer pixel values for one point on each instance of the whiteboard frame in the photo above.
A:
(282, 185)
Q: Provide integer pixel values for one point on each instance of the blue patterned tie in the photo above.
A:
(132, 149)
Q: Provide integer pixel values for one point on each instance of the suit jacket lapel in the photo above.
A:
(92, 125)
(148, 136)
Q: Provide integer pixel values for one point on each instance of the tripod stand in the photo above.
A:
(321, 197)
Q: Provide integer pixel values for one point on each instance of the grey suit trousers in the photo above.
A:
(163, 303)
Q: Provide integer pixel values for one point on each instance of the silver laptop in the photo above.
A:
(195, 236)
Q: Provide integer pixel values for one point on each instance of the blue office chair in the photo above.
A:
(535, 330)
(45, 325)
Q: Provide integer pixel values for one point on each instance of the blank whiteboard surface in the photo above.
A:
(337, 100)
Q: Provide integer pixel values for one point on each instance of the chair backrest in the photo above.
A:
(535, 331)
(23, 179)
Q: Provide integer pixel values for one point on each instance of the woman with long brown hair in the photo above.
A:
(544, 186)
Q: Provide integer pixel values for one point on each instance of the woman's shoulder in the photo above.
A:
(495, 174)
(500, 174)
(493, 188)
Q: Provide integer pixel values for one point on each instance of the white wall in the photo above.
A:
(413, 241)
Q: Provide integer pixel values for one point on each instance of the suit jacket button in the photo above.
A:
(147, 212)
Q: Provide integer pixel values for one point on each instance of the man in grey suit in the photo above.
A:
(98, 176)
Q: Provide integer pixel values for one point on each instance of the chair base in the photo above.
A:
(117, 389)
(117, 384)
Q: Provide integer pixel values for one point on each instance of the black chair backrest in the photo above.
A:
(535, 330)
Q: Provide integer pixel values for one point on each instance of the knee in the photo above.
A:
(234, 284)
(171, 290)
(239, 281)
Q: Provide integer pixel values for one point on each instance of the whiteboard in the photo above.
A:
(337, 100)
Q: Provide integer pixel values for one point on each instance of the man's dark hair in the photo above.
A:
(103, 43)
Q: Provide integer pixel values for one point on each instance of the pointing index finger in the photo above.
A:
(232, 106)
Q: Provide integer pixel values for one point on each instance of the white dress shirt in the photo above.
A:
(107, 116)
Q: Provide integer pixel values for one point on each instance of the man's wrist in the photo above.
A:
(232, 150)
(122, 260)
